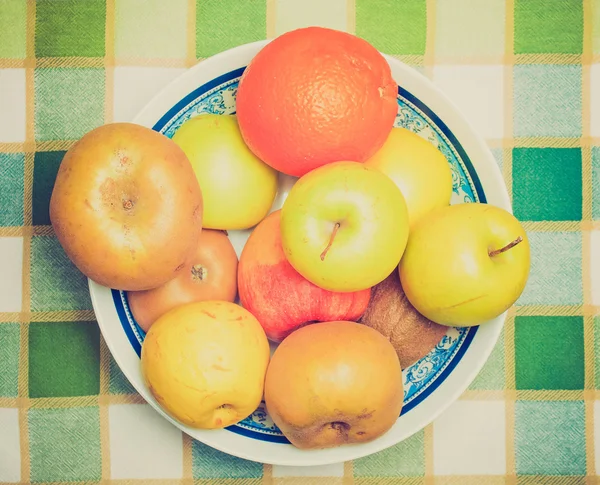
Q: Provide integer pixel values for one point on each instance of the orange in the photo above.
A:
(314, 96)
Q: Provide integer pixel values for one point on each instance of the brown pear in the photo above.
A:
(389, 311)
(334, 383)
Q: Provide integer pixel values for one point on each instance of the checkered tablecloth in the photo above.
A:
(526, 73)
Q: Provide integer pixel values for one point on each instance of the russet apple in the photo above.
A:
(465, 264)
(126, 207)
(278, 296)
(344, 226)
(334, 383)
(418, 168)
(205, 363)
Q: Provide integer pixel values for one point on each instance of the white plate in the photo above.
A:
(430, 384)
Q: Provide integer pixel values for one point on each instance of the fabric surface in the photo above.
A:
(526, 73)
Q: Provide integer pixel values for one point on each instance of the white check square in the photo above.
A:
(10, 448)
(478, 91)
(143, 444)
(469, 438)
(12, 105)
(11, 274)
(135, 86)
(291, 14)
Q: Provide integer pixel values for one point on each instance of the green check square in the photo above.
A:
(393, 27)
(405, 459)
(208, 462)
(491, 376)
(45, 168)
(549, 352)
(64, 359)
(597, 349)
(70, 28)
(550, 438)
(13, 20)
(548, 26)
(64, 444)
(151, 28)
(246, 22)
(595, 183)
(69, 102)
(547, 184)
(56, 284)
(499, 156)
(118, 382)
(555, 277)
(10, 348)
(11, 188)
(547, 100)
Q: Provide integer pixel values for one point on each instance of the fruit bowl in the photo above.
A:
(432, 383)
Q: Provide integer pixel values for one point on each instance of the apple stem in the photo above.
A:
(510, 245)
(335, 230)
(199, 272)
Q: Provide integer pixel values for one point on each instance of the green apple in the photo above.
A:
(344, 226)
(238, 188)
(465, 264)
(418, 168)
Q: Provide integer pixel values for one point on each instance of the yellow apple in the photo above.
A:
(205, 363)
(465, 264)
(237, 187)
(418, 168)
(344, 226)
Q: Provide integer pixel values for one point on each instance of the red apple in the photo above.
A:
(278, 296)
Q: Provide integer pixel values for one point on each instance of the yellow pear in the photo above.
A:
(205, 363)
